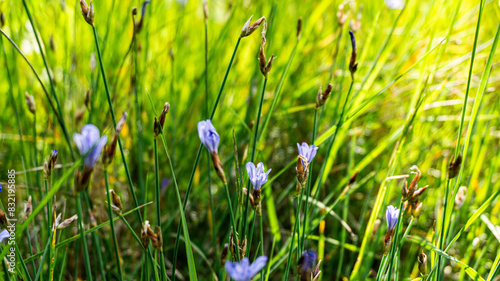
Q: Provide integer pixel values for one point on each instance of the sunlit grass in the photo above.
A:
(425, 90)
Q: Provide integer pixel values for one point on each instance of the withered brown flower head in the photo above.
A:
(454, 166)
(87, 11)
(250, 28)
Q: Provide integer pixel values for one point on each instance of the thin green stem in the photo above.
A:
(112, 225)
(295, 225)
(466, 97)
(158, 208)
(261, 243)
(212, 226)
(86, 257)
(188, 191)
(53, 88)
(108, 95)
(138, 120)
(254, 145)
(308, 190)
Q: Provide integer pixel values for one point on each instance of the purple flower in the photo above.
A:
(258, 176)
(1, 187)
(4, 235)
(307, 151)
(395, 4)
(90, 139)
(143, 9)
(307, 261)
(243, 270)
(208, 135)
(391, 216)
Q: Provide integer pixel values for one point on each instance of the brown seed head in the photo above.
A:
(454, 166)
(30, 101)
(299, 28)
(87, 11)
(422, 263)
(67, 222)
(250, 28)
(28, 207)
(460, 197)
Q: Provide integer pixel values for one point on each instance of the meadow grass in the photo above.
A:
(420, 92)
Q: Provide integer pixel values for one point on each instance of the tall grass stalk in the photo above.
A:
(158, 208)
(294, 231)
(445, 220)
(112, 226)
(308, 189)
(186, 198)
(252, 158)
(209, 167)
(86, 257)
(108, 95)
(54, 93)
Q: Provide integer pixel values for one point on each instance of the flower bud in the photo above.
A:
(92, 64)
(87, 11)
(144, 234)
(30, 101)
(48, 166)
(3, 219)
(2, 19)
(93, 222)
(205, 10)
(316, 272)
(299, 28)
(355, 24)
(422, 263)
(454, 166)
(341, 15)
(28, 207)
(243, 247)
(65, 223)
(157, 239)
(218, 167)
(160, 123)
(323, 96)
(116, 199)
(353, 65)
(109, 151)
(87, 99)
(460, 197)
(223, 255)
(250, 28)
(265, 66)
(302, 169)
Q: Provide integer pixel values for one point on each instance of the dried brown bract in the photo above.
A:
(454, 166)
(250, 28)
(87, 11)
(323, 96)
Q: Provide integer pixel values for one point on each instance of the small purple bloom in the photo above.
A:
(307, 261)
(243, 270)
(395, 4)
(165, 182)
(90, 139)
(391, 216)
(307, 151)
(1, 187)
(257, 175)
(4, 235)
(208, 135)
(143, 9)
